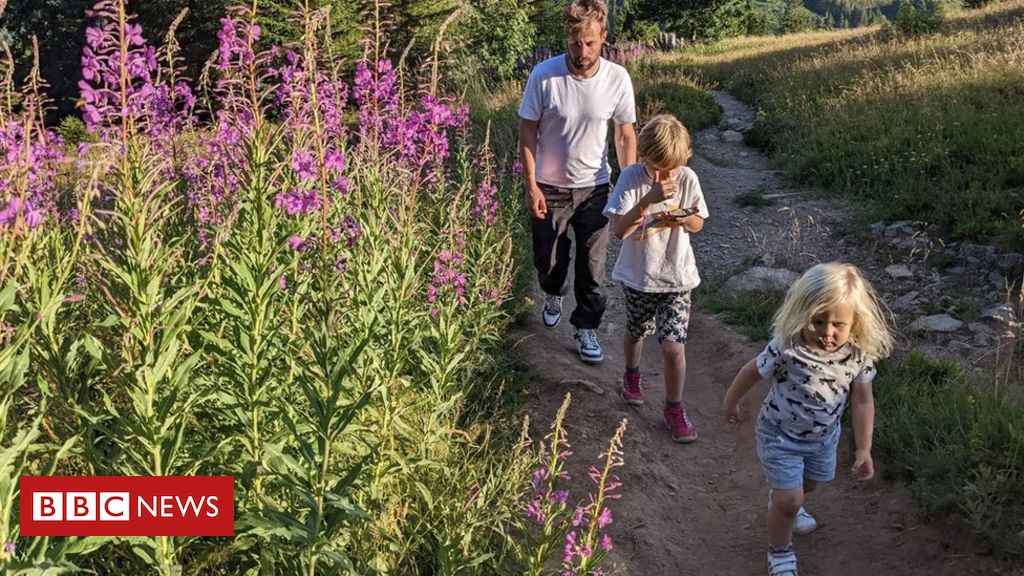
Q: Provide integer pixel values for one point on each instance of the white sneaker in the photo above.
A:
(804, 523)
(782, 563)
(587, 346)
(552, 311)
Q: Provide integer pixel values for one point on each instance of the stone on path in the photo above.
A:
(760, 279)
(899, 271)
(936, 323)
(732, 136)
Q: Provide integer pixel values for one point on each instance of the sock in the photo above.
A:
(632, 370)
(786, 550)
(672, 404)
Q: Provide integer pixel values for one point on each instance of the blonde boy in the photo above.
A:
(654, 208)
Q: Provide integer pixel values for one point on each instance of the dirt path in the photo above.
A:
(699, 509)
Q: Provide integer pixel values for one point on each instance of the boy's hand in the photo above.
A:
(863, 465)
(665, 187)
(732, 412)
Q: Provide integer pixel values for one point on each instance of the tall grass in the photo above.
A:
(926, 128)
(956, 440)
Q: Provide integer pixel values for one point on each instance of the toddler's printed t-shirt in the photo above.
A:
(810, 388)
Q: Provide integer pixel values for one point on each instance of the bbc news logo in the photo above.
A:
(127, 506)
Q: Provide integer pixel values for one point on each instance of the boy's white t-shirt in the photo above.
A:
(572, 142)
(657, 257)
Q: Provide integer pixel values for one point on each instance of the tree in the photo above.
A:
(795, 18)
(697, 19)
(59, 25)
(498, 33)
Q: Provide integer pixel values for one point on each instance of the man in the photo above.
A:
(563, 144)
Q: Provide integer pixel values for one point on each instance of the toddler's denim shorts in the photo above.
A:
(787, 462)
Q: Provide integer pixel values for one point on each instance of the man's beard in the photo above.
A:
(586, 66)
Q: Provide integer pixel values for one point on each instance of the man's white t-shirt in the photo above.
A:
(572, 142)
(657, 257)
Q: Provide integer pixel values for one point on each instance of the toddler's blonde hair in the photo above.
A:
(826, 285)
(664, 142)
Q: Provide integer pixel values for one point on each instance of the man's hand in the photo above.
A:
(863, 465)
(536, 204)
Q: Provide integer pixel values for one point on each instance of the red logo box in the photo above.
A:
(127, 505)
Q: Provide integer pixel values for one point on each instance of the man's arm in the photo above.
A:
(534, 198)
(625, 144)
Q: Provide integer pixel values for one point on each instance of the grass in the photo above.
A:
(753, 199)
(926, 128)
(662, 88)
(750, 314)
(956, 440)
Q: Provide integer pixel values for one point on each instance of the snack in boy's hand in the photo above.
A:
(674, 214)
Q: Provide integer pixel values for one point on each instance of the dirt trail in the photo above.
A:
(698, 509)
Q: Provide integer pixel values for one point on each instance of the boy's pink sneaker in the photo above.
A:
(679, 425)
(632, 391)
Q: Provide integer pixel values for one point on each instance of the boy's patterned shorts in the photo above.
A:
(666, 312)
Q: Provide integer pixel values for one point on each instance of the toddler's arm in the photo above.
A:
(863, 406)
(745, 379)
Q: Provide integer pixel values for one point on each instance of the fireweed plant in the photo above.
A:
(280, 274)
(576, 534)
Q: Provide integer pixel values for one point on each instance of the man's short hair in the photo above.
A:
(580, 13)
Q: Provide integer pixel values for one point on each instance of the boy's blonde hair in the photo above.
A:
(826, 285)
(580, 13)
(664, 142)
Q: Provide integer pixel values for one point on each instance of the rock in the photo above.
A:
(901, 228)
(997, 279)
(982, 340)
(936, 323)
(732, 136)
(1002, 313)
(899, 271)
(760, 279)
(979, 328)
(744, 154)
(957, 271)
(906, 302)
(977, 252)
(877, 228)
(1012, 263)
(708, 136)
(958, 347)
(734, 123)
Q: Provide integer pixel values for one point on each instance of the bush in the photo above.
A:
(692, 105)
(912, 20)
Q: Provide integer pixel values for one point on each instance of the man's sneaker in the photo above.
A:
(552, 311)
(587, 346)
(782, 563)
(804, 523)
(632, 391)
(679, 425)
